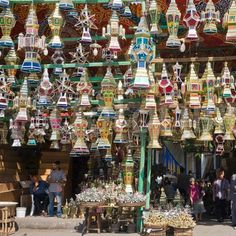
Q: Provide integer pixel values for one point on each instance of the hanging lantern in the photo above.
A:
(55, 122)
(95, 48)
(116, 5)
(66, 5)
(7, 22)
(194, 88)
(128, 172)
(58, 59)
(11, 59)
(218, 123)
(103, 125)
(4, 3)
(207, 125)
(31, 133)
(191, 20)
(121, 128)
(108, 90)
(155, 15)
(177, 72)
(209, 81)
(86, 36)
(186, 127)
(32, 43)
(150, 101)
(229, 122)
(166, 126)
(127, 12)
(143, 118)
(165, 88)
(55, 23)
(142, 54)
(80, 125)
(210, 17)
(173, 18)
(17, 133)
(154, 131)
(219, 143)
(229, 22)
(120, 91)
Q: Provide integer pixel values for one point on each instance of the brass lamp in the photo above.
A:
(207, 125)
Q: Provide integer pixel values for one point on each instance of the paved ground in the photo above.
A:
(203, 229)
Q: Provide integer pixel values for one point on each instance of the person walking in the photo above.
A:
(233, 199)
(56, 179)
(183, 184)
(221, 190)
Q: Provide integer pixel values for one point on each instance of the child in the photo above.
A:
(196, 193)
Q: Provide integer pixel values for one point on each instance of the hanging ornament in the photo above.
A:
(31, 43)
(66, 133)
(218, 123)
(210, 17)
(55, 23)
(155, 15)
(150, 101)
(229, 123)
(4, 3)
(55, 122)
(191, 20)
(31, 133)
(142, 54)
(207, 125)
(17, 132)
(177, 72)
(116, 5)
(229, 22)
(166, 125)
(58, 59)
(7, 22)
(66, 5)
(194, 89)
(127, 12)
(95, 48)
(3, 133)
(186, 125)
(173, 18)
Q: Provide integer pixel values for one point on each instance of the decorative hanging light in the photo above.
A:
(3, 133)
(58, 59)
(7, 22)
(191, 20)
(4, 3)
(32, 43)
(31, 133)
(177, 72)
(207, 125)
(55, 122)
(194, 88)
(154, 131)
(95, 48)
(229, 22)
(142, 54)
(150, 101)
(186, 127)
(166, 125)
(127, 12)
(116, 5)
(210, 17)
(108, 90)
(113, 31)
(80, 125)
(218, 123)
(11, 59)
(229, 122)
(173, 18)
(55, 23)
(66, 5)
(155, 15)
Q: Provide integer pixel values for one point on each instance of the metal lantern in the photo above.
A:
(210, 17)
(166, 125)
(7, 22)
(55, 23)
(11, 59)
(31, 133)
(165, 87)
(4, 3)
(186, 127)
(230, 23)
(116, 5)
(127, 12)
(17, 132)
(66, 5)
(120, 91)
(173, 18)
(150, 101)
(31, 43)
(155, 15)
(194, 88)
(55, 122)
(218, 123)
(121, 128)
(209, 81)
(229, 122)
(45, 90)
(177, 72)
(154, 131)
(142, 54)
(108, 90)
(191, 20)
(113, 31)
(128, 172)
(207, 125)
(80, 125)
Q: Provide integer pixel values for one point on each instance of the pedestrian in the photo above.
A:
(221, 190)
(196, 193)
(233, 199)
(39, 190)
(170, 191)
(183, 184)
(56, 179)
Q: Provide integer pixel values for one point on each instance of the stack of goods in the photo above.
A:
(132, 200)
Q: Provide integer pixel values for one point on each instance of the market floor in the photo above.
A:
(210, 228)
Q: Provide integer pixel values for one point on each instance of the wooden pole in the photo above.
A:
(149, 171)
(193, 59)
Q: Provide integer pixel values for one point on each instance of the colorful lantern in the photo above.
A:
(55, 122)
(207, 125)
(173, 18)
(11, 59)
(66, 5)
(155, 15)
(4, 3)
(186, 127)
(108, 90)
(166, 125)
(32, 133)
(210, 17)
(194, 88)
(154, 131)
(116, 5)
(80, 125)
(121, 128)
(113, 31)
(191, 20)
(7, 22)
(229, 122)
(230, 23)
(142, 54)
(218, 123)
(17, 133)
(177, 72)
(150, 101)
(55, 23)
(32, 43)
